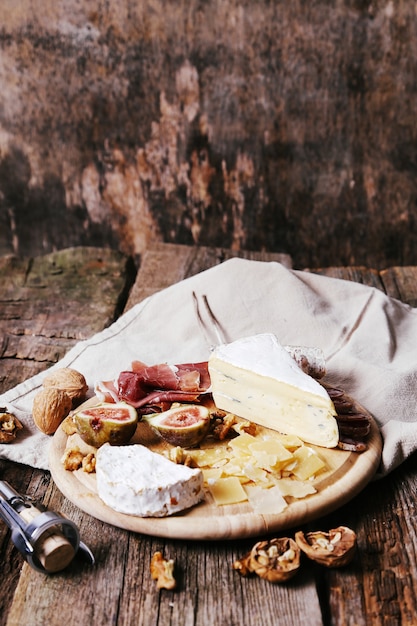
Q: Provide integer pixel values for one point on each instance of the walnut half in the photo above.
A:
(9, 425)
(276, 560)
(334, 548)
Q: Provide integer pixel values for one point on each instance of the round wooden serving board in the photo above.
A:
(347, 474)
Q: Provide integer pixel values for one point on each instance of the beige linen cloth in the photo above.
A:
(369, 341)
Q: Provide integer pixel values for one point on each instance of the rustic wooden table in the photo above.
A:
(50, 303)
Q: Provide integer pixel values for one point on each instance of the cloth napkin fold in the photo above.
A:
(369, 341)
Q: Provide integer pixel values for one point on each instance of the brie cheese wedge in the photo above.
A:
(134, 480)
(257, 379)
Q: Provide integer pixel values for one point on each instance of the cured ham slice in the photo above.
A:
(130, 387)
(156, 398)
(106, 391)
(154, 386)
(185, 377)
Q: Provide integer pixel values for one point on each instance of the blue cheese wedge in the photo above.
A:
(134, 480)
(257, 379)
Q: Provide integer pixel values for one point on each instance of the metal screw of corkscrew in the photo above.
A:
(47, 540)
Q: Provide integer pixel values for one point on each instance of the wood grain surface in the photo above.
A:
(379, 588)
(346, 474)
(49, 303)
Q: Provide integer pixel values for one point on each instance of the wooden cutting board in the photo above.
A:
(346, 475)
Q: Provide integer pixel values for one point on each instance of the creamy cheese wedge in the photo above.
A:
(257, 379)
(134, 480)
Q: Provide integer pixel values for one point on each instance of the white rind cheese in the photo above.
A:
(134, 480)
(257, 379)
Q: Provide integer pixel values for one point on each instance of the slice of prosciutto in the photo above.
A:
(184, 377)
(145, 386)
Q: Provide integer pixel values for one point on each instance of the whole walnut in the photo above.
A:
(50, 407)
(70, 381)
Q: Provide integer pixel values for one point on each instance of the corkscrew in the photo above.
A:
(47, 540)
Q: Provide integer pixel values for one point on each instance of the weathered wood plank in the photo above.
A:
(49, 303)
(20, 477)
(131, 565)
(345, 599)
(401, 283)
(378, 588)
(163, 265)
(204, 572)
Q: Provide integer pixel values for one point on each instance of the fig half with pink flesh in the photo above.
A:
(113, 423)
(185, 425)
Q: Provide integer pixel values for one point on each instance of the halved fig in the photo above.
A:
(334, 548)
(113, 423)
(185, 425)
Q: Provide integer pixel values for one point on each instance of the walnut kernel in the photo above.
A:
(68, 426)
(162, 570)
(89, 463)
(9, 425)
(72, 459)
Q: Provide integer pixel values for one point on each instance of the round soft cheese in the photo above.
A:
(134, 480)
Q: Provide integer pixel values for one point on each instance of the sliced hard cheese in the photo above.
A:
(227, 491)
(256, 378)
(136, 481)
(308, 463)
(266, 501)
(295, 488)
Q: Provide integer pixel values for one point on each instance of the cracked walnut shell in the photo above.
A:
(276, 560)
(70, 381)
(331, 549)
(9, 425)
(50, 407)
